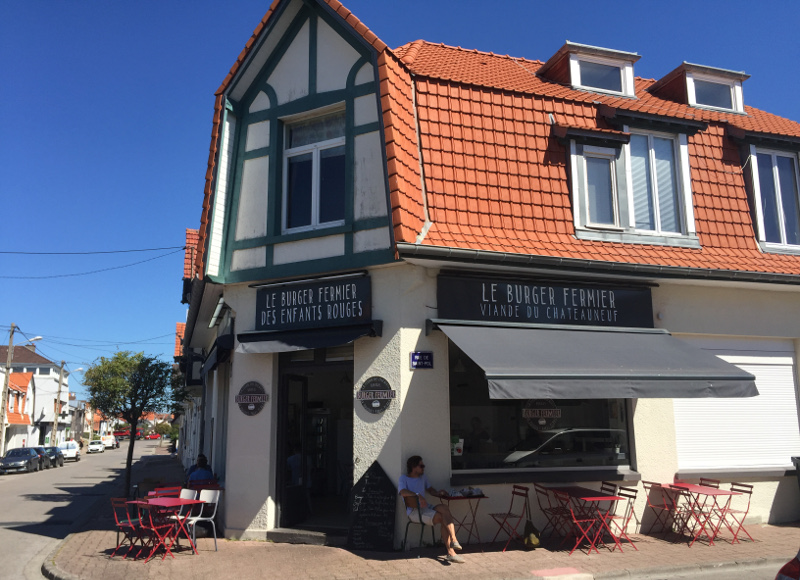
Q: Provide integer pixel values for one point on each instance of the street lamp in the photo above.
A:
(4, 398)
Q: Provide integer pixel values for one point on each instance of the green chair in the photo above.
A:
(412, 501)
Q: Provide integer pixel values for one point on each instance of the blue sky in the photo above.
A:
(106, 118)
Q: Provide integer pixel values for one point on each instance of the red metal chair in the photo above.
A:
(610, 489)
(171, 491)
(554, 514)
(127, 526)
(580, 523)
(621, 521)
(156, 524)
(737, 515)
(710, 482)
(510, 521)
(662, 504)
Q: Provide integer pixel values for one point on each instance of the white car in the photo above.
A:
(71, 450)
(96, 446)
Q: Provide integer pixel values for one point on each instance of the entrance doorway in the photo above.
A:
(315, 439)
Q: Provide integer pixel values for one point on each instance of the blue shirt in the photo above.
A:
(415, 484)
(201, 473)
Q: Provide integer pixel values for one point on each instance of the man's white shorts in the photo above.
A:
(427, 516)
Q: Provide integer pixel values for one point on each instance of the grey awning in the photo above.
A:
(289, 340)
(527, 362)
(220, 352)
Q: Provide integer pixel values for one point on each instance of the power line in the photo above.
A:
(50, 337)
(50, 277)
(91, 253)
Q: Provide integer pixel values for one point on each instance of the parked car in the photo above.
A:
(19, 459)
(96, 446)
(152, 436)
(71, 450)
(44, 459)
(569, 448)
(109, 441)
(56, 456)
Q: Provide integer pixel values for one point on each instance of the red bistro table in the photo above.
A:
(699, 510)
(588, 500)
(468, 521)
(160, 508)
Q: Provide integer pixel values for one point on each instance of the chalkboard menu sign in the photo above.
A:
(373, 504)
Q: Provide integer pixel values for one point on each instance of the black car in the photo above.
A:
(19, 459)
(56, 456)
(44, 459)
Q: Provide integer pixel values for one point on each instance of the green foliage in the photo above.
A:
(174, 433)
(163, 428)
(128, 385)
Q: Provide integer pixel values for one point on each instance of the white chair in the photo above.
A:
(207, 512)
(185, 494)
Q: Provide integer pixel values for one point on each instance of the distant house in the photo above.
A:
(46, 374)
(523, 270)
(19, 405)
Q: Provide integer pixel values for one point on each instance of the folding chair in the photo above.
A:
(620, 521)
(660, 503)
(580, 523)
(211, 499)
(610, 489)
(710, 482)
(171, 491)
(127, 526)
(737, 515)
(158, 528)
(509, 521)
(554, 514)
(412, 501)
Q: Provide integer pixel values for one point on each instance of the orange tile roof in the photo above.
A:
(180, 329)
(18, 418)
(190, 261)
(20, 381)
(497, 179)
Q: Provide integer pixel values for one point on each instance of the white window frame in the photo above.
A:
(754, 151)
(625, 229)
(737, 97)
(625, 69)
(683, 182)
(315, 149)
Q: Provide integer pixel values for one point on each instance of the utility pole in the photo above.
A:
(4, 398)
(56, 406)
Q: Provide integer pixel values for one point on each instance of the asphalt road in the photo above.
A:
(38, 510)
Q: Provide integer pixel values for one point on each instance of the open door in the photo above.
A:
(293, 466)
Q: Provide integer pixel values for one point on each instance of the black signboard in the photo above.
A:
(543, 302)
(373, 504)
(251, 398)
(330, 302)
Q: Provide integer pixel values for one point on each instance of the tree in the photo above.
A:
(163, 429)
(127, 385)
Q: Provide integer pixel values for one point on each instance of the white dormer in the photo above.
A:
(592, 68)
(704, 87)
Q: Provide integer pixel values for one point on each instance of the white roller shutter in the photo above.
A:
(757, 432)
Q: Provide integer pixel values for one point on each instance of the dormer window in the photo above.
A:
(704, 87)
(592, 68)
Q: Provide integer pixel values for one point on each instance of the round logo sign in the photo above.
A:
(376, 395)
(541, 414)
(251, 398)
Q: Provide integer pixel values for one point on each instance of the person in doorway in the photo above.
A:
(202, 471)
(415, 483)
(476, 436)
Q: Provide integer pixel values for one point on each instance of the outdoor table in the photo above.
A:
(588, 501)
(698, 511)
(160, 508)
(468, 521)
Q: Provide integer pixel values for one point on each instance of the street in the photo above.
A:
(38, 510)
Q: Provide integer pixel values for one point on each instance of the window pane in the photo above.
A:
(601, 76)
(298, 191)
(331, 185)
(642, 189)
(600, 191)
(713, 94)
(316, 130)
(666, 185)
(769, 205)
(788, 183)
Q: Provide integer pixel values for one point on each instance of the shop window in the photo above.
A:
(776, 190)
(512, 435)
(314, 173)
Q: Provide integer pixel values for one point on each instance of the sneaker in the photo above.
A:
(455, 559)
(456, 546)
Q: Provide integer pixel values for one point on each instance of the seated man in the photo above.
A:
(415, 483)
(202, 471)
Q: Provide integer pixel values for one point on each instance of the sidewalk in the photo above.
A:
(85, 555)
